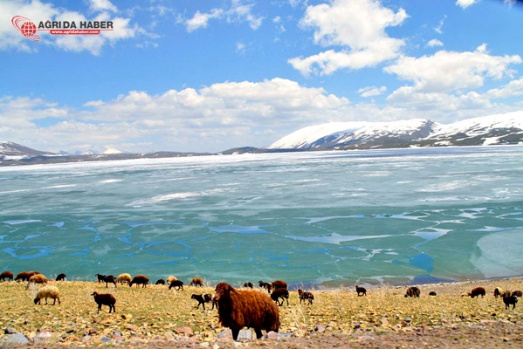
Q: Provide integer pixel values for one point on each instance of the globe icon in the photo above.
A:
(28, 29)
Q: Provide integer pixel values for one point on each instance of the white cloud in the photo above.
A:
(465, 3)
(371, 91)
(38, 11)
(447, 71)
(200, 20)
(512, 89)
(212, 118)
(102, 5)
(434, 43)
(238, 12)
(358, 26)
(447, 81)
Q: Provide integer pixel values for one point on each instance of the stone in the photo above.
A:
(15, 338)
(42, 337)
(10, 330)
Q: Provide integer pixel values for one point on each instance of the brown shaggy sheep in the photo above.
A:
(139, 279)
(6, 275)
(361, 291)
(36, 279)
(305, 296)
(476, 292)
(278, 284)
(413, 292)
(246, 308)
(517, 293)
(25, 275)
(196, 282)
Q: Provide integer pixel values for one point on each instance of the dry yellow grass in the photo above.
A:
(156, 313)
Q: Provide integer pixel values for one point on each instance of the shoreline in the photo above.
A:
(154, 317)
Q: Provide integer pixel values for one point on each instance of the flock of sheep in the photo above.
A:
(237, 308)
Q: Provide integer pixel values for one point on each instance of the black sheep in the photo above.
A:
(104, 299)
(202, 299)
(361, 291)
(280, 293)
(508, 300)
(160, 282)
(176, 283)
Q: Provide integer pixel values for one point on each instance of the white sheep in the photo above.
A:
(124, 278)
(170, 279)
(48, 292)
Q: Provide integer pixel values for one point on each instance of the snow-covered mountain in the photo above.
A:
(488, 130)
(14, 151)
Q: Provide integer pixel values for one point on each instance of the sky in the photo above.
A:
(209, 75)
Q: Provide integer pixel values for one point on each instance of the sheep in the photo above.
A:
(196, 282)
(509, 299)
(139, 279)
(47, 292)
(100, 277)
(361, 291)
(104, 299)
(278, 284)
(61, 277)
(280, 293)
(202, 299)
(265, 285)
(248, 285)
(36, 279)
(107, 279)
(305, 296)
(432, 293)
(413, 292)
(6, 275)
(246, 308)
(517, 293)
(124, 278)
(176, 283)
(160, 282)
(476, 292)
(25, 275)
(498, 292)
(170, 279)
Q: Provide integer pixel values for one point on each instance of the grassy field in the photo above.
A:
(156, 313)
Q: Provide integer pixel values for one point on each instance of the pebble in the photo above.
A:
(15, 338)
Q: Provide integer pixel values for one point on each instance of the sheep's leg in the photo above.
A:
(258, 333)
(99, 307)
(235, 333)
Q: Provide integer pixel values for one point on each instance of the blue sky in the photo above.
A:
(208, 75)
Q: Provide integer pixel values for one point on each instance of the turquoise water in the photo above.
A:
(328, 218)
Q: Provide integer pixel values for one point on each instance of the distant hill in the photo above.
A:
(489, 130)
(12, 154)
(501, 129)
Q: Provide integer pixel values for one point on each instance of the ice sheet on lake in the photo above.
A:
(501, 254)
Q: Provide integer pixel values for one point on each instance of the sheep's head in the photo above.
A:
(223, 289)
(94, 294)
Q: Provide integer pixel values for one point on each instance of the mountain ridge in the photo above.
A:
(498, 129)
